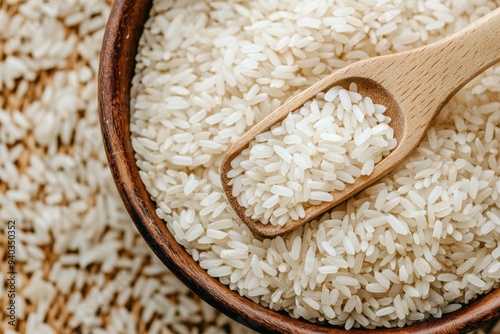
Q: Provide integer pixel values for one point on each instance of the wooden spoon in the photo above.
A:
(413, 85)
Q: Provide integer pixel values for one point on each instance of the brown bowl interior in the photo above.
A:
(116, 70)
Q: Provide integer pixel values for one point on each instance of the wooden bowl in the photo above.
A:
(123, 31)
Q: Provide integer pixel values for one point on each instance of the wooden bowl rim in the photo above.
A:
(116, 68)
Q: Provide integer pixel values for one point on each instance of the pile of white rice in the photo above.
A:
(81, 266)
(329, 142)
(419, 243)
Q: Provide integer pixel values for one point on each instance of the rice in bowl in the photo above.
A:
(419, 243)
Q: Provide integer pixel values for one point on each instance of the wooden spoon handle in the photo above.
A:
(471, 51)
(443, 68)
(454, 61)
(423, 80)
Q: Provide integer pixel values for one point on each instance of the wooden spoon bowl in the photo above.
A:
(116, 70)
(366, 87)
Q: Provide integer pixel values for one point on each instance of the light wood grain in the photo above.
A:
(413, 85)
